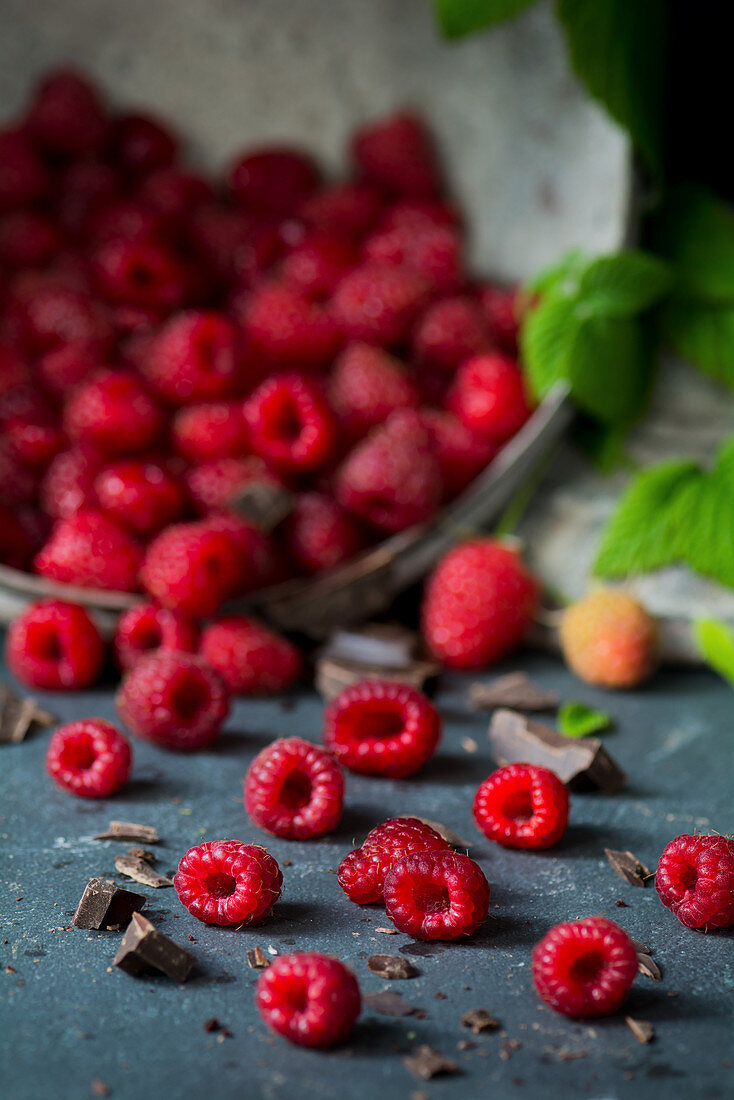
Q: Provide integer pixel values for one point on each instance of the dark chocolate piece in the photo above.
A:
(647, 966)
(515, 738)
(141, 871)
(142, 853)
(103, 905)
(264, 504)
(640, 947)
(479, 1020)
(257, 959)
(388, 1004)
(515, 690)
(628, 867)
(127, 830)
(212, 1025)
(425, 1063)
(448, 835)
(391, 967)
(18, 716)
(144, 948)
(508, 1047)
(642, 1030)
(333, 675)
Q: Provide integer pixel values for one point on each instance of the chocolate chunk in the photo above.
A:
(448, 835)
(257, 959)
(265, 504)
(212, 1025)
(628, 867)
(19, 715)
(515, 690)
(388, 1004)
(142, 853)
(141, 871)
(425, 1063)
(103, 905)
(392, 967)
(515, 738)
(144, 948)
(647, 966)
(127, 830)
(479, 1020)
(640, 947)
(333, 675)
(642, 1030)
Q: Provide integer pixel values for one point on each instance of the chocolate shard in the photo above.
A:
(448, 835)
(642, 1030)
(387, 931)
(425, 1063)
(391, 967)
(104, 905)
(141, 871)
(257, 959)
(647, 966)
(19, 715)
(515, 690)
(515, 738)
(479, 1020)
(128, 830)
(264, 504)
(334, 674)
(145, 948)
(143, 853)
(640, 947)
(628, 867)
(388, 1004)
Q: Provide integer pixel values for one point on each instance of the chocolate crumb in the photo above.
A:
(127, 830)
(391, 967)
(257, 959)
(642, 1030)
(640, 947)
(212, 1025)
(387, 931)
(628, 867)
(142, 853)
(565, 1054)
(10, 969)
(479, 1020)
(388, 1004)
(140, 871)
(425, 1063)
(621, 904)
(508, 1047)
(647, 966)
(448, 835)
(465, 1044)
(144, 948)
(287, 863)
(192, 938)
(469, 745)
(100, 1087)
(19, 715)
(440, 996)
(515, 690)
(104, 905)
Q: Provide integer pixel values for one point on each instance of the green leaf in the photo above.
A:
(458, 17)
(695, 231)
(703, 520)
(618, 49)
(715, 641)
(578, 720)
(545, 339)
(703, 333)
(561, 277)
(609, 365)
(626, 284)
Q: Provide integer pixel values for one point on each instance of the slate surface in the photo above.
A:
(70, 1020)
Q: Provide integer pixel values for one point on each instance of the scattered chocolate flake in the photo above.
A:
(565, 1054)
(287, 863)
(10, 969)
(333, 675)
(212, 1025)
(448, 835)
(642, 1030)
(127, 830)
(465, 1044)
(391, 967)
(419, 1094)
(469, 745)
(621, 904)
(257, 959)
(647, 966)
(100, 1087)
(388, 1003)
(387, 931)
(264, 503)
(440, 996)
(18, 715)
(515, 738)
(142, 853)
(515, 690)
(144, 948)
(425, 1063)
(104, 905)
(141, 871)
(508, 1047)
(479, 1020)
(640, 947)
(628, 867)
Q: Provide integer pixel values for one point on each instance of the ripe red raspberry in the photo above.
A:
(379, 303)
(141, 273)
(66, 366)
(273, 179)
(695, 880)
(227, 882)
(449, 332)
(434, 252)
(419, 213)
(319, 535)
(18, 484)
(192, 568)
(89, 758)
(140, 144)
(204, 433)
(142, 496)
(377, 727)
(392, 479)
(146, 628)
(84, 187)
(461, 455)
(584, 968)
(437, 895)
(288, 330)
(348, 210)
(35, 440)
(230, 245)
(55, 315)
(522, 806)
(258, 562)
(174, 700)
(54, 646)
(361, 873)
(214, 486)
(67, 115)
(68, 484)
(194, 357)
(488, 395)
(318, 263)
(23, 176)
(500, 308)
(309, 999)
(478, 603)
(92, 550)
(175, 194)
(124, 219)
(113, 413)
(289, 423)
(250, 658)
(366, 385)
(397, 153)
(27, 239)
(294, 790)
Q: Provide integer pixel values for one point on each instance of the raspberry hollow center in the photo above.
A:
(147, 637)
(287, 423)
(379, 725)
(689, 877)
(587, 968)
(78, 754)
(46, 645)
(432, 898)
(220, 885)
(518, 806)
(296, 790)
(188, 698)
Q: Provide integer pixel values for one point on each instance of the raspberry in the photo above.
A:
(89, 758)
(310, 999)
(419, 213)
(204, 433)
(449, 332)
(229, 244)
(344, 209)
(15, 373)
(392, 479)
(68, 484)
(437, 895)
(294, 790)
(478, 603)
(127, 220)
(192, 568)
(66, 366)
(379, 303)
(319, 534)
(112, 412)
(194, 357)
(318, 263)
(67, 115)
(227, 882)
(489, 397)
(461, 455)
(500, 308)
(83, 188)
(289, 423)
(142, 496)
(27, 239)
(35, 440)
(54, 316)
(141, 273)
(272, 180)
(174, 700)
(92, 550)
(609, 639)
(361, 873)
(140, 144)
(584, 968)
(54, 646)
(435, 252)
(250, 658)
(397, 153)
(522, 806)
(146, 628)
(174, 194)
(258, 562)
(377, 727)
(289, 330)
(23, 177)
(17, 483)
(214, 486)
(366, 385)
(695, 880)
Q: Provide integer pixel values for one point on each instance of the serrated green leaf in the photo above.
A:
(562, 277)
(609, 365)
(546, 336)
(703, 333)
(703, 520)
(695, 231)
(626, 284)
(715, 641)
(457, 17)
(578, 720)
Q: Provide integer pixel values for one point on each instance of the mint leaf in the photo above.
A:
(545, 339)
(702, 332)
(703, 521)
(609, 365)
(695, 231)
(618, 49)
(563, 276)
(626, 284)
(715, 641)
(458, 17)
(578, 720)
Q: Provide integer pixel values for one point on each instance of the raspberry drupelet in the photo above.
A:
(228, 882)
(310, 999)
(294, 790)
(54, 646)
(437, 895)
(695, 880)
(89, 758)
(361, 873)
(584, 968)
(145, 628)
(377, 727)
(522, 806)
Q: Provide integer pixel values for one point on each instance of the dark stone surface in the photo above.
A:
(71, 1018)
